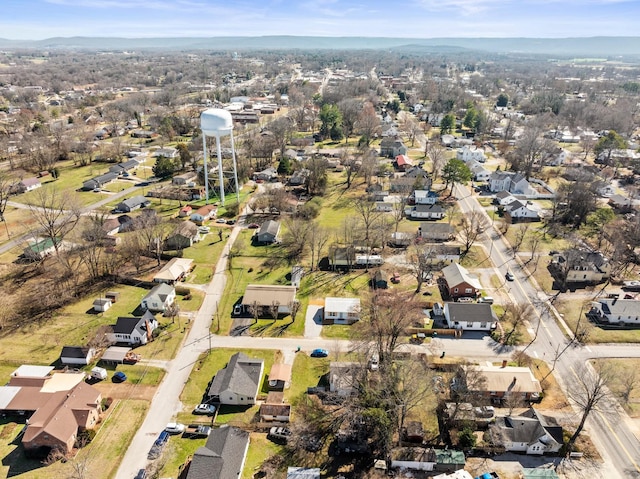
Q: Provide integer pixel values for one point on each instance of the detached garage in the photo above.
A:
(77, 355)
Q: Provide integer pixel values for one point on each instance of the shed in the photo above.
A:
(102, 304)
(280, 376)
(112, 295)
(268, 232)
(379, 280)
(275, 412)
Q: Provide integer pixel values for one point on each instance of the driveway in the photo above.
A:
(313, 321)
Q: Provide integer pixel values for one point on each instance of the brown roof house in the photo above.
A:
(56, 424)
(267, 297)
(239, 382)
(184, 235)
(223, 455)
(460, 283)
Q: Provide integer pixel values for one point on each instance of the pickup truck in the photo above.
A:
(196, 430)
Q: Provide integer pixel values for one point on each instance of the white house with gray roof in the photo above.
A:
(159, 298)
(470, 316)
(616, 311)
(134, 203)
(239, 382)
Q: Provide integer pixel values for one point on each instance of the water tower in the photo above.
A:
(218, 123)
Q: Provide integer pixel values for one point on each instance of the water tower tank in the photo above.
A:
(216, 122)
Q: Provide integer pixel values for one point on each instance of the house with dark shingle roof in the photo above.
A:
(530, 432)
(82, 355)
(239, 382)
(470, 316)
(133, 331)
(223, 455)
(134, 203)
(268, 232)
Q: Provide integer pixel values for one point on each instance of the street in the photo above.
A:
(611, 433)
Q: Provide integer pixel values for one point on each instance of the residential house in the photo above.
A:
(132, 204)
(580, 266)
(222, 457)
(469, 154)
(384, 207)
(99, 181)
(538, 473)
(133, 331)
(390, 147)
(268, 174)
(460, 283)
(479, 172)
(516, 383)
(267, 298)
(183, 236)
(425, 197)
(404, 185)
(503, 198)
(426, 459)
(436, 231)
(343, 378)
(175, 270)
(275, 412)
(431, 212)
(168, 152)
(521, 211)
(299, 177)
(341, 310)
(438, 253)
(622, 203)
(280, 376)
(81, 355)
(185, 211)
(124, 167)
(470, 316)
(184, 179)
(512, 182)
(238, 383)
(615, 311)
(559, 157)
(203, 214)
(606, 190)
(27, 184)
(56, 424)
(268, 232)
(460, 414)
(40, 249)
(159, 298)
(530, 432)
(400, 239)
(100, 305)
(402, 162)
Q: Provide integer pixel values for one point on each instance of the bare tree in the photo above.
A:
(6, 187)
(295, 238)
(368, 124)
(589, 391)
(369, 216)
(422, 262)
(471, 226)
(515, 314)
(56, 214)
(437, 155)
(521, 233)
(318, 238)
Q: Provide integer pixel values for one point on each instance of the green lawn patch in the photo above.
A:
(307, 372)
(260, 449)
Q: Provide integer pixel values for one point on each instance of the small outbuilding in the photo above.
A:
(100, 305)
(77, 355)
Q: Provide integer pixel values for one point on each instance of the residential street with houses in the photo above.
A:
(612, 433)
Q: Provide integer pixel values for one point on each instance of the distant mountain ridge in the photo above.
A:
(588, 46)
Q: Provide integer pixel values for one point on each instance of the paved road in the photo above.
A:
(611, 433)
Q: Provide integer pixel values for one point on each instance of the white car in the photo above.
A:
(203, 229)
(175, 428)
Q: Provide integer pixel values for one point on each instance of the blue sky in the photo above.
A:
(38, 19)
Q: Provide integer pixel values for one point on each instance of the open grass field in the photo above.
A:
(101, 457)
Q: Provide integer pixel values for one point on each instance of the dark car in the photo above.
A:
(509, 276)
(119, 377)
(158, 445)
(231, 222)
(253, 226)
(319, 353)
(142, 474)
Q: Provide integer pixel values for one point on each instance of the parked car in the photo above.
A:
(253, 226)
(158, 445)
(237, 310)
(203, 229)
(221, 221)
(319, 353)
(175, 428)
(142, 474)
(509, 276)
(486, 299)
(207, 409)
(231, 222)
(279, 433)
(119, 377)
(194, 431)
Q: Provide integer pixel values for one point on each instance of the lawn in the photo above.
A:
(568, 307)
(260, 449)
(625, 379)
(75, 324)
(102, 457)
(338, 202)
(307, 372)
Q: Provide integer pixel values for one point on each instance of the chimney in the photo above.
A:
(504, 363)
(514, 380)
